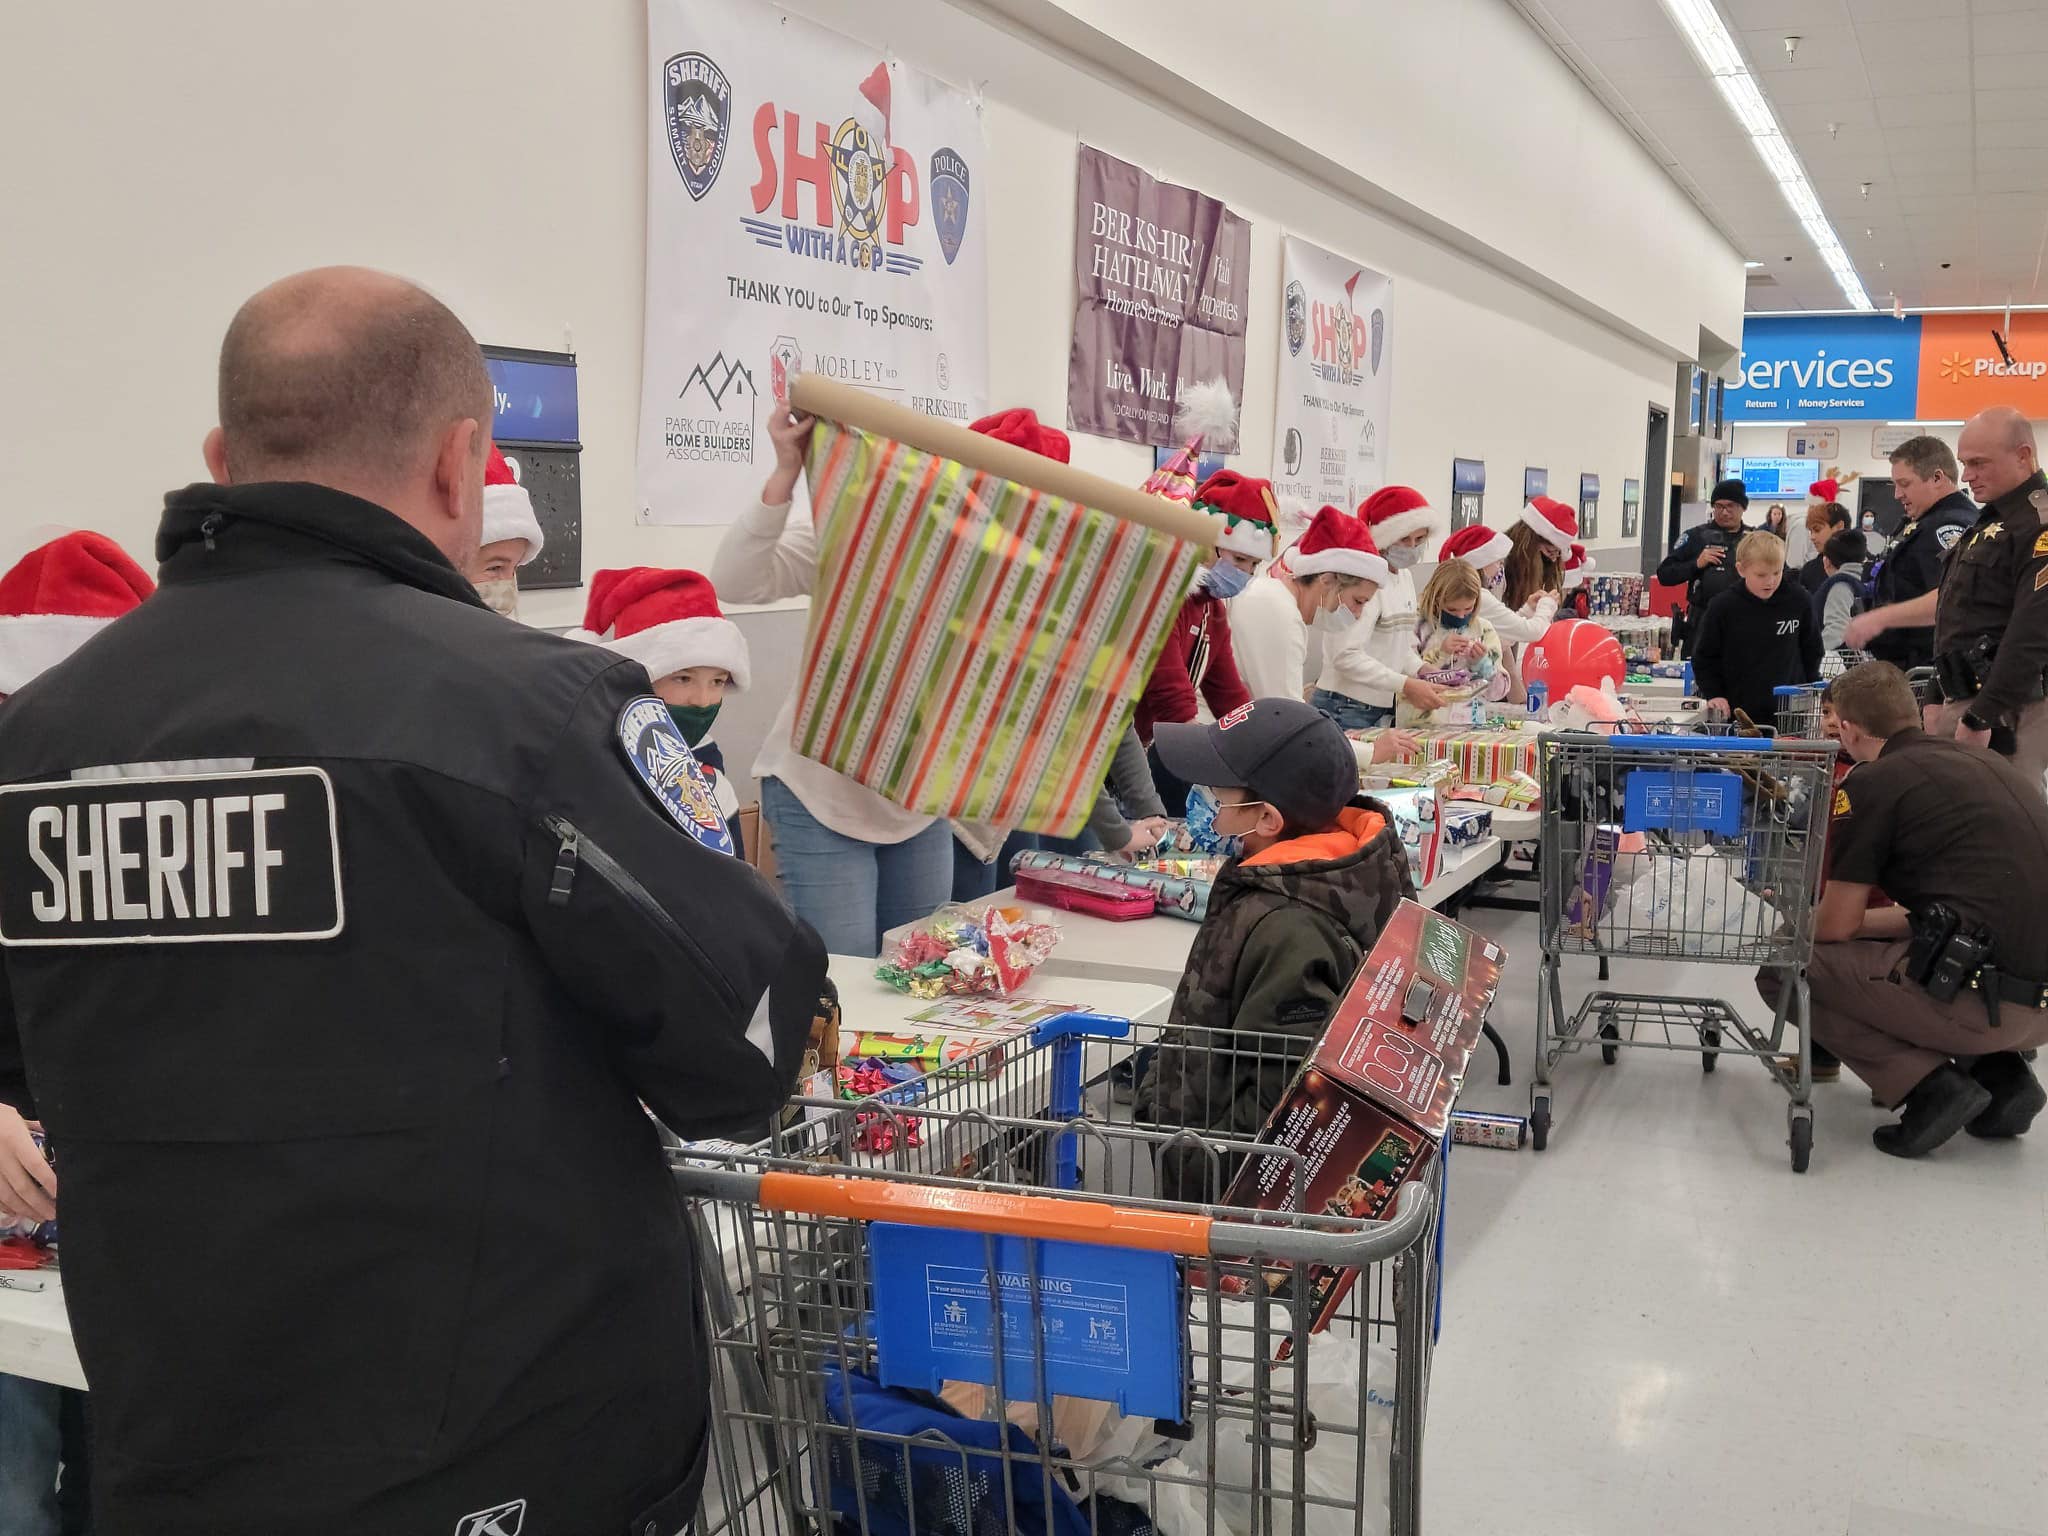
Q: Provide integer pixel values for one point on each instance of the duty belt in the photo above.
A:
(2010, 989)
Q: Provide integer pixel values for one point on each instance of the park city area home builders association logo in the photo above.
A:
(1339, 338)
(699, 112)
(863, 189)
(723, 388)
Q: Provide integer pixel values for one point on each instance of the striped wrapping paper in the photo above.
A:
(975, 646)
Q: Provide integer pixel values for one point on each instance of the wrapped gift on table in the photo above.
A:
(1465, 824)
(1179, 895)
(1418, 820)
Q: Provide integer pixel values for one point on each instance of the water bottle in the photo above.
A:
(1539, 700)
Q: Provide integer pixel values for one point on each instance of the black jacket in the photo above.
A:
(1994, 593)
(1911, 567)
(1702, 584)
(366, 1230)
(1747, 647)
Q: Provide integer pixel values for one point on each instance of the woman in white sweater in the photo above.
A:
(852, 864)
(1374, 662)
(1321, 582)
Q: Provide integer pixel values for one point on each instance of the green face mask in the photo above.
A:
(693, 720)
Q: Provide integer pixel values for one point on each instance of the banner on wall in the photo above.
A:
(1335, 392)
(1161, 284)
(813, 207)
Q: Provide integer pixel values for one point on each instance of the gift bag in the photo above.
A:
(976, 643)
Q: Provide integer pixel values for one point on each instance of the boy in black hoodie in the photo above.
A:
(1758, 637)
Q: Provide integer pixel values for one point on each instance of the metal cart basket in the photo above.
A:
(1681, 848)
(1028, 1339)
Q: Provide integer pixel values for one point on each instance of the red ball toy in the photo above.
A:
(1571, 652)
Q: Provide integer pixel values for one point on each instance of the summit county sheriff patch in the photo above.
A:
(665, 763)
(171, 859)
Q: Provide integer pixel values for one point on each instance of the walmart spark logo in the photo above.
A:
(1955, 368)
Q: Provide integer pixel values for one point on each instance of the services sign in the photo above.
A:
(810, 206)
(1335, 390)
(1840, 367)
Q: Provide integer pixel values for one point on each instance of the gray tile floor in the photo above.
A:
(1656, 1327)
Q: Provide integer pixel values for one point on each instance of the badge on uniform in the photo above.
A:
(667, 766)
(1841, 802)
(2041, 545)
(1946, 535)
(171, 859)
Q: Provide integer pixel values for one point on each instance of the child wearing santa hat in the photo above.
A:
(55, 599)
(670, 622)
(1321, 582)
(1488, 551)
(512, 537)
(1541, 540)
(1374, 663)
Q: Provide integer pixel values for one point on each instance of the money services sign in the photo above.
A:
(1335, 389)
(810, 206)
(1827, 367)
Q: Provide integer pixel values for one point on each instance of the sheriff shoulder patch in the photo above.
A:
(1841, 802)
(679, 783)
(2041, 544)
(1947, 534)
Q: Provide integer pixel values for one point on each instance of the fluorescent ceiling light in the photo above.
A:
(1708, 35)
(1752, 265)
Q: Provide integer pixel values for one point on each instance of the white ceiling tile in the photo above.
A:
(1942, 107)
(1905, 10)
(2019, 135)
(1788, 15)
(1998, 7)
(1932, 137)
(1798, 110)
(2011, 32)
(1932, 186)
(2008, 106)
(2011, 71)
(1933, 162)
(1819, 48)
(2021, 174)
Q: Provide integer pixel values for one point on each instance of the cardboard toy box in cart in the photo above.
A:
(1371, 1103)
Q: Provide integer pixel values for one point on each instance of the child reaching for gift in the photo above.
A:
(1460, 651)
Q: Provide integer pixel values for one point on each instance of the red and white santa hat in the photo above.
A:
(1478, 546)
(1246, 505)
(1021, 428)
(1821, 492)
(1578, 565)
(508, 510)
(1394, 512)
(57, 597)
(1337, 541)
(1551, 521)
(665, 620)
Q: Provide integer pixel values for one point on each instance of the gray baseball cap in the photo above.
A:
(1281, 751)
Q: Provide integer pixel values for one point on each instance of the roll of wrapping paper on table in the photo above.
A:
(984, 618)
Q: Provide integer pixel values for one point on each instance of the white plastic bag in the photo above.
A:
(1693, 905)
(1124, 1469)
(1334, 1400)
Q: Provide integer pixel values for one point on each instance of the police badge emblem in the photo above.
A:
(666, 765)
(1379, 338)
(699, 103)
(949, 200)
(1297, 318)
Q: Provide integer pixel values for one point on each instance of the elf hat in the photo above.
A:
(1478, 546)
(1551, 521)
(1022, 428)
(665, 620)
(508, 510)
(57, 597)
(1577, 567)
(1394, 512)
(1248, 509)
(1205, 411)
(1337, 541)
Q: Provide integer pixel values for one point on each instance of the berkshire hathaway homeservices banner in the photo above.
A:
(1335, 389)
(1161, 277)
(810, 206)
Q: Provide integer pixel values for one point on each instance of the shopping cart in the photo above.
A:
(1799, 709)
(1688, 848)
(869, 1321)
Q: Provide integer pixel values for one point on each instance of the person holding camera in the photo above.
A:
(1930, 1001)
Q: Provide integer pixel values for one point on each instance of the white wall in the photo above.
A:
(167, 161)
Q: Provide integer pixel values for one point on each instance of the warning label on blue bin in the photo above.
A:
(1108, 1323)
(1082, 1322)
(1690, 801)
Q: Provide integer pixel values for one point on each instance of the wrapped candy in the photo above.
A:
(968, 952)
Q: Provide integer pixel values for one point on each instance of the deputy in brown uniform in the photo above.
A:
(1991, 622)
(1931, 1001)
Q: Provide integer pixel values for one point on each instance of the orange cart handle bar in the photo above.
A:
(1065, 1220)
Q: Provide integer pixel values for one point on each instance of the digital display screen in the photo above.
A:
(1776, 479)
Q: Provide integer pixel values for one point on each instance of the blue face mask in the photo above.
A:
(1224, 580)
(1202, 810)
(1453, 621)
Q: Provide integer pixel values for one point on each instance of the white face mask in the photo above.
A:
(1335, 621)
(1401, 556)
(500, 596)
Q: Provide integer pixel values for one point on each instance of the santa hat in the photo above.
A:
(1478, 546)
(1247, 506)
(1551, 521)
(1022, 428)
(1393, 512)
(1205, 411)
(665, 620)
(57, 597)
(508, 510)
(1824, 491)
(1337, 541)
(1577, 567)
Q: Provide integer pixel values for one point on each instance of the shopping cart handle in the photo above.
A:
(1691, 744)
(1102, 1026)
